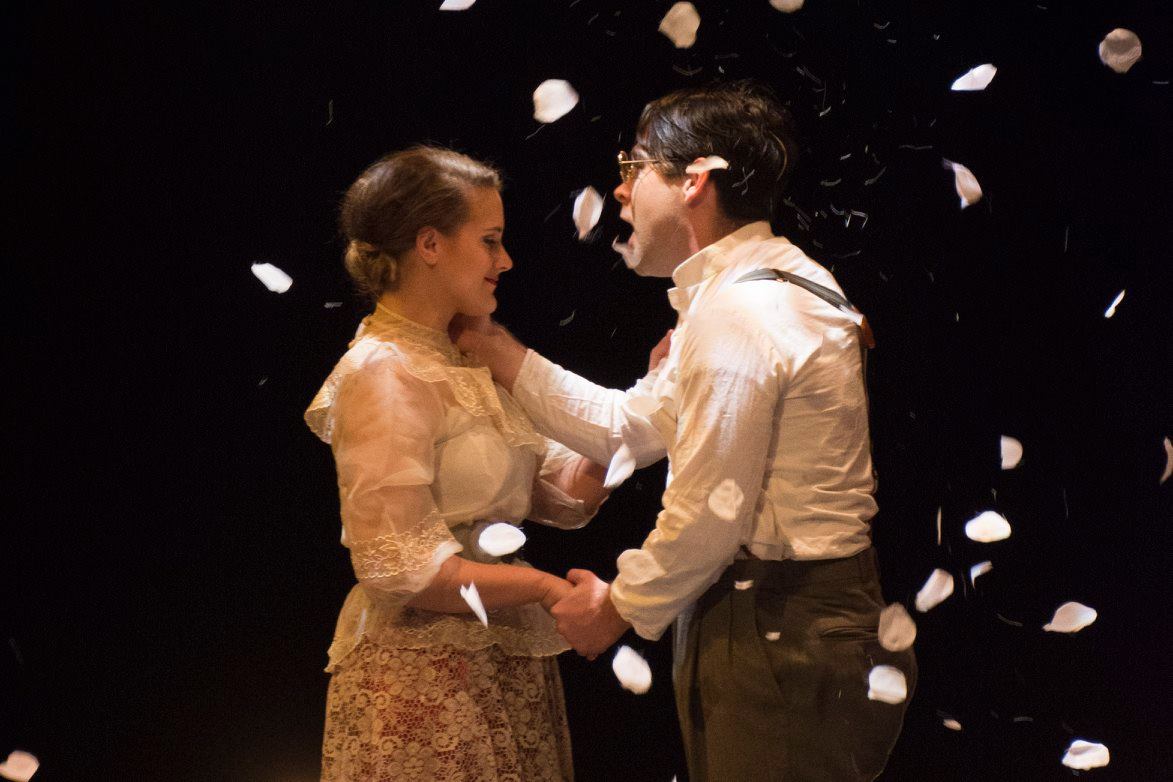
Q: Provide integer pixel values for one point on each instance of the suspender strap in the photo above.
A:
(833, 298)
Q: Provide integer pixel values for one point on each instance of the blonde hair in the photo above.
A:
(404, 192)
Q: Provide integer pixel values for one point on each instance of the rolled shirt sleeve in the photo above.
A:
(731, 378)
(386, 423)
(588, 418)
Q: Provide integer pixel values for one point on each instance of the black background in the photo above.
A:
(171, 568)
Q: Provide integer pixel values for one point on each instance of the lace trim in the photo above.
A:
(428, 355)
(400, 552)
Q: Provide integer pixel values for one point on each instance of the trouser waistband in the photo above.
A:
(794, 572)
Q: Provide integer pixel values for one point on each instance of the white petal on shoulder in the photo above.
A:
(553, 99)
(725, 500)
(1120, 50)
(1071, 618)
(680, 25)
(273, 278)
(937, 588)
(632, 670)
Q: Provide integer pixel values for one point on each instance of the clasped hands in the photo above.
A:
(585, 616)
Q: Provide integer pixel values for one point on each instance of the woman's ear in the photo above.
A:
(427, 245)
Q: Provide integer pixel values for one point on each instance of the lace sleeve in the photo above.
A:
(385, 425)
(551, 504)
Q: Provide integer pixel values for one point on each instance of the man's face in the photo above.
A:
(656, 210)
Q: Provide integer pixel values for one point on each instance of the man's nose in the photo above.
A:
(622, 193)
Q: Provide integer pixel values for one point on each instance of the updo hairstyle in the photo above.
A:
(404, 192)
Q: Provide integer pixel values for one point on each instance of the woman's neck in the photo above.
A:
(417, 307)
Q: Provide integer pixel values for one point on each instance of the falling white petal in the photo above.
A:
(1112, 307)
(980, 569)
(938, 587)
(1011, 452)
(897, 630)
(632, 670)
(1084, 755)
(965, 183)
(975, 79)
(553, 99)
(456, 5)
(1168, 461)
(273, 278)
(773, 635)
(627, 252)
(987, 527)
(725, 500)
(621, 467)
(743, 585)
(938, 525)
(710, 163)
(20, 766)
(1071, 618)
(1120, 50)
(500, 539)
(787, 6)
(680, 25)
(887, 684)
(951, 724)
(473, 598)
(588, 208)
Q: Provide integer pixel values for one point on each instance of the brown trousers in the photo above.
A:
(795, 708)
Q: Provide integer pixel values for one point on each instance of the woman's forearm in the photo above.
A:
(499, 586)
(583, 480)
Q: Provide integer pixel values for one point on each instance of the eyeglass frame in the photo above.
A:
(627, 166)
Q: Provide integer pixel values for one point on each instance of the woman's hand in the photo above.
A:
(554, 589)
(660, 351)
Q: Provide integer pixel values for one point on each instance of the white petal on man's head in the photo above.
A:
(1168, 461)
(975, 79)
(680, 25)
(951, 723)
(588, 208)
(553, 98)
(710, 163)
(897, 630)
(938, 586)
(273, 278)
(500, 539)
(1084, 755)
(1011, 452)
(456, 5)
(965, 183)
(1071, 618)
(786, 6)
(632, 670)
(473, 598)
(987, 527)
(20, 766)
(725, 500)
(887, 685)
(980, 569)
(1112, 307)
(1120, 50)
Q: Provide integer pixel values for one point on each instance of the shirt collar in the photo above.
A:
(713, 259)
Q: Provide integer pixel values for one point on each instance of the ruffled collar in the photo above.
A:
(386, 324)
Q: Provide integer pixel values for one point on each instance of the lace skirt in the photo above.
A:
(445, 714)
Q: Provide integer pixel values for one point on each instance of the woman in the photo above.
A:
(428, 451)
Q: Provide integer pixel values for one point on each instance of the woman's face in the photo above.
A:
(474, 258)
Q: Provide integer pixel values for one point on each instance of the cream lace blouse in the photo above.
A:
(429, 451)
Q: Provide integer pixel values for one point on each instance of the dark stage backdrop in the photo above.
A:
(171, 567)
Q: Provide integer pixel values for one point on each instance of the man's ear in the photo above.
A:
(427, 245)
(696, 184)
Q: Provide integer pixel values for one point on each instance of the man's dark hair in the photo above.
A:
(742, 122)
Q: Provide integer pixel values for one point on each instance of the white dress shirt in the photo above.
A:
(760, 407)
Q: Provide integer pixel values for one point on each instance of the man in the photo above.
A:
(762, 550)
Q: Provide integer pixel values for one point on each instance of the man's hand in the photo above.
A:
(469, 333)
(586, 617)
(491, 344)
(660, 351)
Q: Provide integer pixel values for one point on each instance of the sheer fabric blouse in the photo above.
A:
(428, 451)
